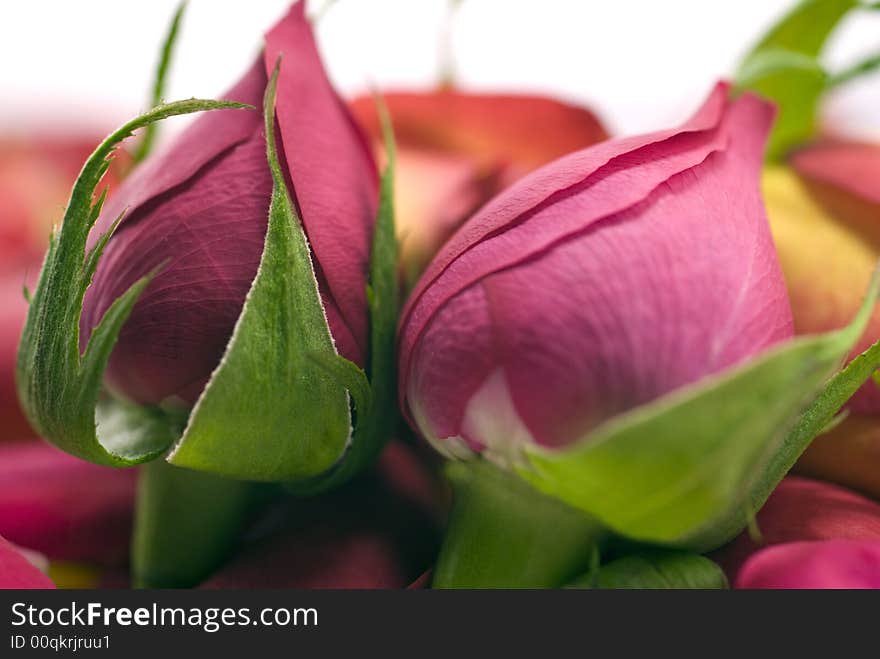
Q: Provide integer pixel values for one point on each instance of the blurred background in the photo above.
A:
(641, 64)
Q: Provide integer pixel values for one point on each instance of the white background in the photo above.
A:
(642, 64)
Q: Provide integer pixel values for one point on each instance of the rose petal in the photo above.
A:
(828, 564)
(17, 572)
(801, 509)
(523, 132)
(63, 507)
(334, 177)
(678, 149)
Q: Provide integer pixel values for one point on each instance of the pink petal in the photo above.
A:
(802, 509)
(17, 572)
(333, 173)
(522, 131)
(826, 564)
(65, 508)
(850, 166)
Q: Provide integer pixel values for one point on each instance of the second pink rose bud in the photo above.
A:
(596, 284)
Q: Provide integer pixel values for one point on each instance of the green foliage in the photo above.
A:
(784, 67)
(653, 568)
(145, 146)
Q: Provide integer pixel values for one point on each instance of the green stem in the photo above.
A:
(186, 524)
(165, 55)
(505, 534)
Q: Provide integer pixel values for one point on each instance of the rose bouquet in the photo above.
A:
(618, 347)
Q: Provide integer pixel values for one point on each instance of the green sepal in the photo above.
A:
(375, 400)
(59, 387)
(784, 67)
(688, 468)
(277, 407)
(821, 416)
(269, 412)
(656, 568)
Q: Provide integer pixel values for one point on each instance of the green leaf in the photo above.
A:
(57, 386)
(145, 146)
(656, 569)
(676, 470)
(793, 81)
(784, 67)
(377, 415)
(806, 28)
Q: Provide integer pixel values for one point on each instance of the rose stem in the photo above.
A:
(186, 524)
(503, 533)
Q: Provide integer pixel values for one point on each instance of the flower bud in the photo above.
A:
(596, 284)
(199, 213)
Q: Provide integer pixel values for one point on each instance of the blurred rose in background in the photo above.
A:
(824, 210)
(456, 150)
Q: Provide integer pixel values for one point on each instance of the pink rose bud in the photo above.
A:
(829, 564)
(200, 212)
(596, 284)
